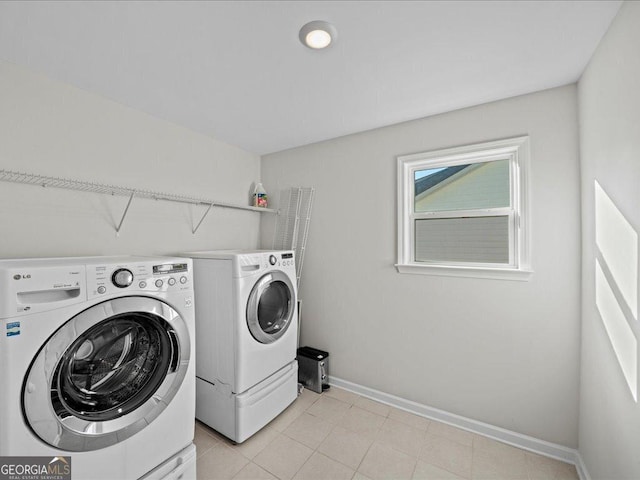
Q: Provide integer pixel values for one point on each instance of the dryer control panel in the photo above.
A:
(257, 263)
(278, 259)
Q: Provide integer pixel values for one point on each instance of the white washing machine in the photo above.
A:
(97, 360)
(246, 319)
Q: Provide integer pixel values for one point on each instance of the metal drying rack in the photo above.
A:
(91, 187)
(292, 230)
(292, 226)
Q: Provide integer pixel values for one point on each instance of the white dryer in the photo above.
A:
(97, 364)
(246, 319)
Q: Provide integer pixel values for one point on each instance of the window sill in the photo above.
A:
(472, 272)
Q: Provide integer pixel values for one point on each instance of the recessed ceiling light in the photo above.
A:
(318, 34)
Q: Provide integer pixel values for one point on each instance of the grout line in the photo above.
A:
(364, 456)
(313, 450)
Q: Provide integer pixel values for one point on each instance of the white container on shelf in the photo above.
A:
(259, 196)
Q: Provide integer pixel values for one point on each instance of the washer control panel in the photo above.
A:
(138, 277)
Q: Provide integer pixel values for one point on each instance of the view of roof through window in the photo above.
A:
(425, 179)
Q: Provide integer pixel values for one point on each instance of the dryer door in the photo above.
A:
(106, 373)
(270, 307)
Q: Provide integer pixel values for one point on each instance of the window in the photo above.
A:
(463, 211)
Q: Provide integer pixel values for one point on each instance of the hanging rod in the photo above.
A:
(92, 187)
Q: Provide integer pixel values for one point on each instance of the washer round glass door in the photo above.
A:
(270, 307)
(106, 373)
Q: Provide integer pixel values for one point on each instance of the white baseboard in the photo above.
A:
(581, 468)
(515, 439)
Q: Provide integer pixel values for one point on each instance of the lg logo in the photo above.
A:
(20, 277)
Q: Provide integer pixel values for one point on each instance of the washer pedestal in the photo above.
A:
(238, 416)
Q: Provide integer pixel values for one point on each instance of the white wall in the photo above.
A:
(54, 129)
(502, 352)
(609, 103)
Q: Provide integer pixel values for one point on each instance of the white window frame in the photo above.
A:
(516, 151)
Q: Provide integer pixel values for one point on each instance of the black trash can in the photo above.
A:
(313, 369)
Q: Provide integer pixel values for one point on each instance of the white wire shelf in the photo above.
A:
(104, 189)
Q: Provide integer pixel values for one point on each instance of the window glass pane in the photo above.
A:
(469, 239)
(463, 187)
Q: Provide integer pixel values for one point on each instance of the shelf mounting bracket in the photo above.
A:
(126, 209)
(202, 219)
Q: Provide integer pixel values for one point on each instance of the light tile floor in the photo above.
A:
(340, 435)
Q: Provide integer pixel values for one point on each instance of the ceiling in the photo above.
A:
(236, 70)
